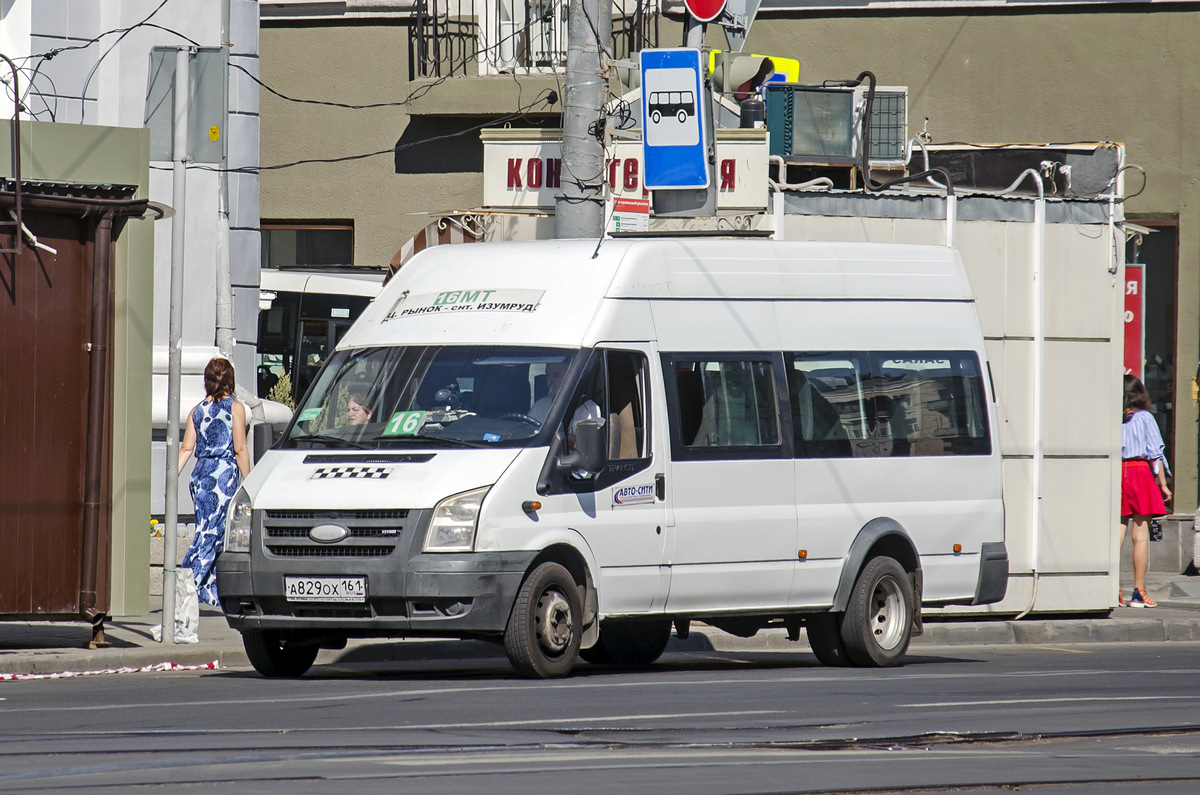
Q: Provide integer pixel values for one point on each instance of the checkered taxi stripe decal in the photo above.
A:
(372, 473)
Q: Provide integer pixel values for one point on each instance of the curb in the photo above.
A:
(77, 661)
(975, 633)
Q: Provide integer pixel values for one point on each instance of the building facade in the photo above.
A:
(113, 64)
(979, 72)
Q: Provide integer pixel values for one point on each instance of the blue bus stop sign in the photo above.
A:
(674, 119)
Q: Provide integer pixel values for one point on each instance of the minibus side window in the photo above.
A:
(614, 389)
(929, 403)
(831, 410)
(727, 403)
(626, 411)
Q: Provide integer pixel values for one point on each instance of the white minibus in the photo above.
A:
(570, 451)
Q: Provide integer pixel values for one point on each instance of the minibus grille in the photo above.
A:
(286, 533)
(331, 516)
(282, 551)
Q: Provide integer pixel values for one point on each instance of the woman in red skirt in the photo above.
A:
(1144, 491)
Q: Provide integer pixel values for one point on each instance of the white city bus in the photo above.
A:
(302, 314)
(571, 455)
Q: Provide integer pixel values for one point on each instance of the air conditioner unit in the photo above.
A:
(823, 124)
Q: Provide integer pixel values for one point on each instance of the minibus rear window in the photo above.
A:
(931, 403)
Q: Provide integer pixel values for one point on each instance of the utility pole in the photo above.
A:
(579, 209)
(179, 155)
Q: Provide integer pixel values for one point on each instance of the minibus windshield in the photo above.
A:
(410, 396)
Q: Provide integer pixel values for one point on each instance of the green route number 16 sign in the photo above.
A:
(404, 423)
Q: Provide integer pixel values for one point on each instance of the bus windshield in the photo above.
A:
(473, 395)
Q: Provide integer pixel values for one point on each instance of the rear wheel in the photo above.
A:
(544, 629)
(878, 624)
(825, 637)
(597, 654)
(635, 641)
(272, 655)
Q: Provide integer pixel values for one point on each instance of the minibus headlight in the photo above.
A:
(455, 518)
(237, 523)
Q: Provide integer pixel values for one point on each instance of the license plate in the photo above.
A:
(325, 589)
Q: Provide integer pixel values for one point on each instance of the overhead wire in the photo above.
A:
(545, 96)
(549, 97)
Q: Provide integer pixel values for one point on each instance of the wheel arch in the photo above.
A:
(574, 561)
(883, 536)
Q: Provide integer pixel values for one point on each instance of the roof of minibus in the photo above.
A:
(547, 292)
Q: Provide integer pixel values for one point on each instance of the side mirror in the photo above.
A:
(263, 438)
(591, 452)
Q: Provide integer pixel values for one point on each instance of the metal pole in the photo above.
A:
(579, 209)
(179, 156)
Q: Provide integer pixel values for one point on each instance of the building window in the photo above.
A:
(489, 37)
(316, 245)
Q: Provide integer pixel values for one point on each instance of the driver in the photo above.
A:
(357, 410)
(588, 410)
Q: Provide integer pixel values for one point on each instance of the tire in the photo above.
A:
(655, 117)
(271, 656)
(824, 632)
(877, 627)
(597, 655)
(682, 116)
(545, 627)
(635, 642)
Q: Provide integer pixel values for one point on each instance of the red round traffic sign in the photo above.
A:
(705, 10)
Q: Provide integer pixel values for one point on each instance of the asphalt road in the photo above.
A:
(1104, 717)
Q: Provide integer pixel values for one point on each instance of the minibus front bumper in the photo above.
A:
(406, 592)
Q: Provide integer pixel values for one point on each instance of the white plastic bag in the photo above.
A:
(187, 610)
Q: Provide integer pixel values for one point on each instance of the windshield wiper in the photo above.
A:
(332, 440)
(424, 437)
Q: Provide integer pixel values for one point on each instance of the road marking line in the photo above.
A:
(1046, 701)
(535, 722)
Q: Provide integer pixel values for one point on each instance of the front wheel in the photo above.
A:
(877, 627)
(544, 629)
(272, 655)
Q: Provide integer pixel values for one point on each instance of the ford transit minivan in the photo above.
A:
(571, 451)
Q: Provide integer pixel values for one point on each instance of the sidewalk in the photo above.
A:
(31, 647)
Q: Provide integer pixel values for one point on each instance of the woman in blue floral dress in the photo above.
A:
(217, 433)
